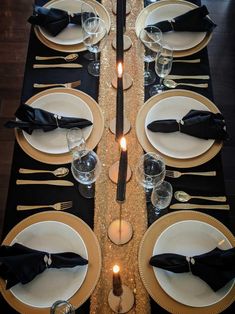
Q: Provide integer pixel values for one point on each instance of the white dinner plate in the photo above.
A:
(177, 40)
(176, 144)
(189, 238)
(63, 104)
(72, 34)
(52, 284)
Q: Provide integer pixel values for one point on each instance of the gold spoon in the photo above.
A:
(184, 197)
(172, 84)
(69, 58)
(59, 172)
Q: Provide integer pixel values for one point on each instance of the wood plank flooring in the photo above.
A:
(14, 33)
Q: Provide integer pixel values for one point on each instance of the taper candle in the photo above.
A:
(117, 283)
(119, 31)
(122, 172)
(119, 103)
(124, 15)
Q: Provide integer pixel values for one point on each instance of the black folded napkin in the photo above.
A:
(195, 20)
(34, 118)
(54, 20)
(19, 263)
(216, 267)
(198, 123)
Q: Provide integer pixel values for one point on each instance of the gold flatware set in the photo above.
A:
(66, 85)
(56, 206)
(177, 174)
(199, 206)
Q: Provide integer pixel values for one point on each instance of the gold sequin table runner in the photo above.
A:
(106, 208)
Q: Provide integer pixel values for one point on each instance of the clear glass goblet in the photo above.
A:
(161, 197)
(75, 140)
(150, 172)
(87, 11)
(94, 38)
(150, 38)
(61, 306)
(86, 168)
(163, 65)
(148, 2)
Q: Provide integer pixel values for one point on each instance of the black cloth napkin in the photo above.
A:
(19, 263)
(34, 118)
(54, 20)
(195, 20)
(216, 267)
(198, 123)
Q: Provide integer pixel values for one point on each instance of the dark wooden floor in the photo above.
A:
(14, 32)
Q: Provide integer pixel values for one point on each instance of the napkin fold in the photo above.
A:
(216, 267)
(54, 20)
(195, 20)
(197, 123)
(20, 264)
(34, 119)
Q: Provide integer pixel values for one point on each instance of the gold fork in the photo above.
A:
(66, 85)
(57, 206)
(177, 174)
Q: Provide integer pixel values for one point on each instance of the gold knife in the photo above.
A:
(197, 206)
(60, 65)
(50, 182)
(192, 77)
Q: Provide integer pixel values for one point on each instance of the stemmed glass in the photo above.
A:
(75, 140)
(62, 307)
(161, 197)
(163, 64)
(86, 168)
(150, 172)
(150, 38)
(87, 11)
(94, 38)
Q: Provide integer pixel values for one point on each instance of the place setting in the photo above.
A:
(67, 255)
(185, 27)
(58, 24)
(46, 141)
(171, 263)
(178, 147)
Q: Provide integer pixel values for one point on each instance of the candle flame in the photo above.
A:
(119, 69)
(123, 143)
(116, 269)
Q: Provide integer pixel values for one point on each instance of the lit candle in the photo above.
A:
(119, 31)
(122, 172)
(117, 283)
(119, 103)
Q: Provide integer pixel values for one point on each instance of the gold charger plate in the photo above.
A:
(140, 23)
(171, 161)
(147, 274)
(101, 11)
(92, 141)
(94, 258)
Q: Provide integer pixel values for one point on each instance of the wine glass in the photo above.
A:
(94, 38)
(150, 172)
(150, 38)
(161, 196)
(147, 2)
(163, 64)
(87, 11)
(75, 140)
(86, 168)
(62, 307)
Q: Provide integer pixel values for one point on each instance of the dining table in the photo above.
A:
(100, 211)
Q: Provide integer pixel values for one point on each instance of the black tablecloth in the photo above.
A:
(84, 208)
